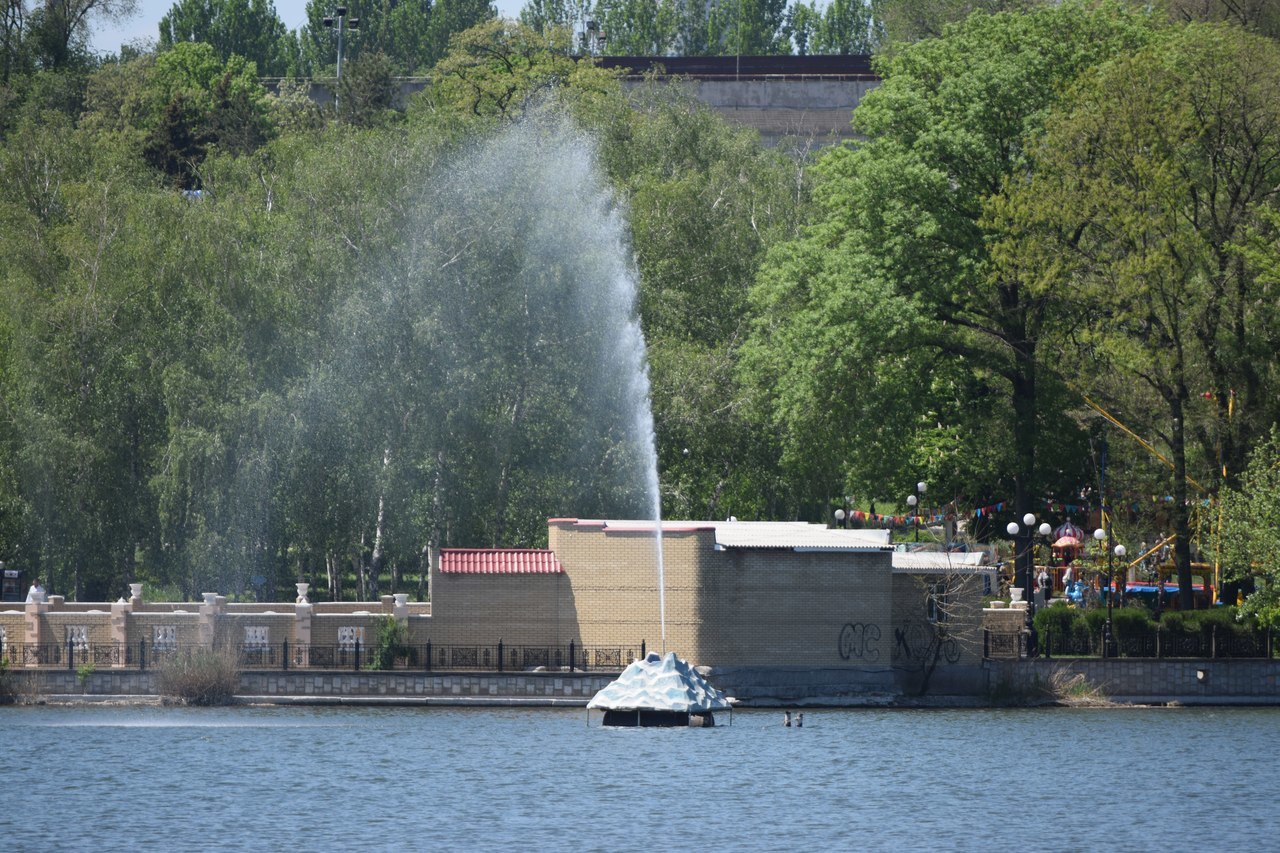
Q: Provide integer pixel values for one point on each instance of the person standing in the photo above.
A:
(1043, 581)
(35, 595)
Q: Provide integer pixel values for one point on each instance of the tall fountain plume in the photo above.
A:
(518, 296)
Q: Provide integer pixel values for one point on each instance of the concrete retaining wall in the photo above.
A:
(1137, 680)
(541, 688)
(1189, 682)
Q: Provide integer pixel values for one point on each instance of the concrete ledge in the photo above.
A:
(416, 701)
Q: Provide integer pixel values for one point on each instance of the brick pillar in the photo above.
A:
(302, 633)
(209, 613)
(34, 634)
(120, 612)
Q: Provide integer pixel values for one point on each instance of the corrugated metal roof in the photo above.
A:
(938, 561)
(788, 535)
(797, 536)
(499, 561)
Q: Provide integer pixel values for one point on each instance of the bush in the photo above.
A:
(393, 644)
(7, 693)
(1056, 619)
(201, 677)
(1226, 619)
(1132, 621)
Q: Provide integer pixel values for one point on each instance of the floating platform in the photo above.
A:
(660, 692)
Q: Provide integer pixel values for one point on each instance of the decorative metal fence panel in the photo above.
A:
(285, 656)
(1210, 644)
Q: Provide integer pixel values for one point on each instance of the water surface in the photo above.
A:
(542, 779)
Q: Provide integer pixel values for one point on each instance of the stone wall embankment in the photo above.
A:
(1149, 681)
(533, 688)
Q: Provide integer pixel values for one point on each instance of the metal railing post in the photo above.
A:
(428, 655)
(642, 654)
(284, 654)
(142, 656)
(571, 649)
(71, 655)
(357, 665)
(500, 661)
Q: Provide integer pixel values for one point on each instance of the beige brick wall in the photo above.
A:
(231, 627)
(481, 609)
(324, 627)
(15, 628)
(613, 579)
(913, 632)
(141, 627)
(732, 607)
(782, 608)
(53, 628)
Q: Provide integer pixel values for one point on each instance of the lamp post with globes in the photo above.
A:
(1024, 557)
(916, 502)
(840, 515)
(1113, 550)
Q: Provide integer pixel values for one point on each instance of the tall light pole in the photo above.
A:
(1024, 558)
(336, 20)
(916, 502)
(1116, 551)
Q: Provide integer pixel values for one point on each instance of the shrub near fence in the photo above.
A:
(1065, 631)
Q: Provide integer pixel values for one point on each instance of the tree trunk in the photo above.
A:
(379, 559)
(1025, 436)
(335, 576)
(1181, 517)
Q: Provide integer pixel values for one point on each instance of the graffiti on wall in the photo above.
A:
(919, 640)
(859, 642)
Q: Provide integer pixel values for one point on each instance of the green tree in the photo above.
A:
(890, 314)
(248, 28)
(60, 29)
(367, 92)
(1249, 535)
(639, 27)
(915, 20)
(543, 15)
(414, 35)
(706, 202)
(1150, 182)
(495, 70)
(846, 27)
(1262, 16)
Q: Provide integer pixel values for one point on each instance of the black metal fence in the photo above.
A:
(1209, 644)
(425, 657)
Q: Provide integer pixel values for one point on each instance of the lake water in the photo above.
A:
(125, 778)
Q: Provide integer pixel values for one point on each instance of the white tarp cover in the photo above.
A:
(660, 684)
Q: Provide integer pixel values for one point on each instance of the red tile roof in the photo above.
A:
(498, 561)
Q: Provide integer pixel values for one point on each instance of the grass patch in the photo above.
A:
(1072, 688)
(1062, 687)
(201, 677)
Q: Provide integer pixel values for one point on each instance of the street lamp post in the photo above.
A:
(336, 21)
(916, 502)
(1024, 557)
(840, 516)
(1113, 550)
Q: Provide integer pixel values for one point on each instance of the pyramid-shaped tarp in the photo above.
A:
(660, 684)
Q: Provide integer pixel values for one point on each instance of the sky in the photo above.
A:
(143, 25)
